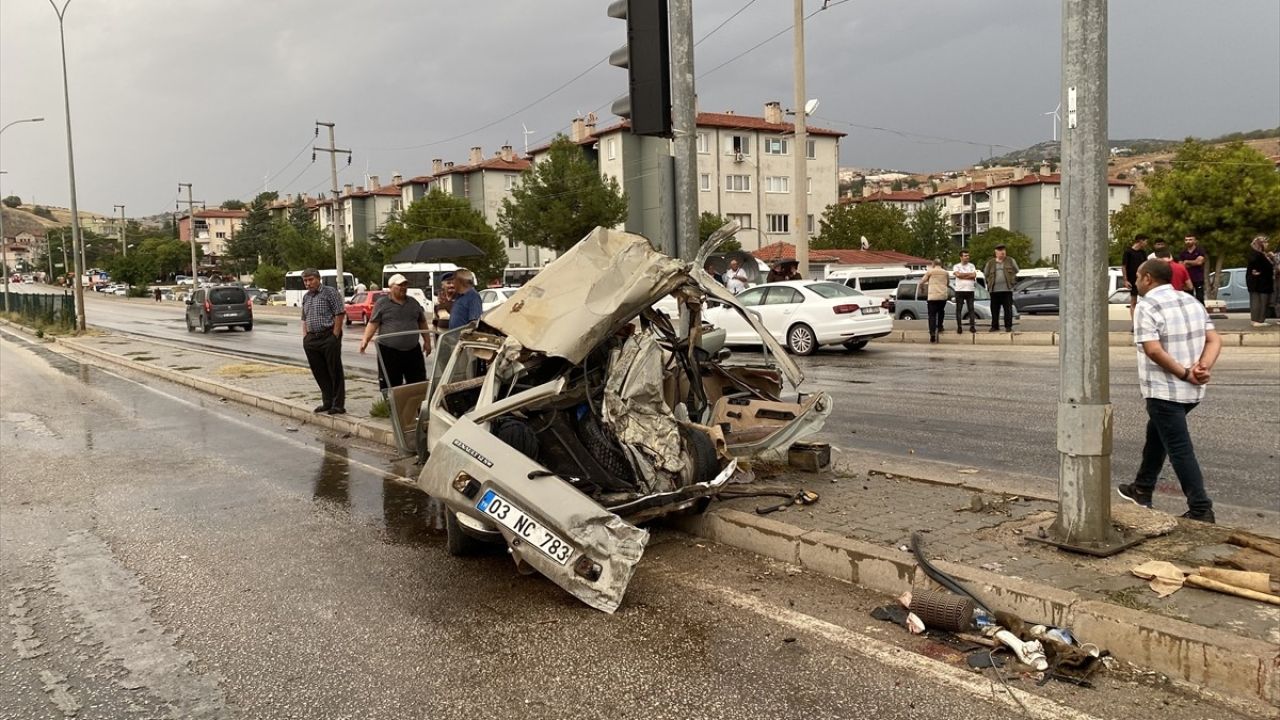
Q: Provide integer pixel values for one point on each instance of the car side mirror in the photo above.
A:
(190, 301)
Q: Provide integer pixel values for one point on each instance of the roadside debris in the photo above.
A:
(804, 497)
(809, 456)
(1167, 578)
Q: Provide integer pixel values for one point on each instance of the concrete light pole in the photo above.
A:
(77, 241)
(4, 245)
(339, 226)
(800, 231)
(684, 127)
(191, 221)
(124, 249)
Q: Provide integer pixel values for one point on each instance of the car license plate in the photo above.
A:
(871, 311)
(529, 530)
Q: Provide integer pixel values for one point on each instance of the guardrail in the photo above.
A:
(44, 309)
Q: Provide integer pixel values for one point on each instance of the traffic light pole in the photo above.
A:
(684, 126)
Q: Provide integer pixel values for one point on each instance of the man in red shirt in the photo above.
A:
(1181, 278)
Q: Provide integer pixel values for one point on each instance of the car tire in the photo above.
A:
(348, 320)
(190, 327)
(907, 315)
(205, 327)
(855, 344)
(701, 454)
(457, 542)
(801, 340)
(605, 450)
(248, 327)
(518, 435)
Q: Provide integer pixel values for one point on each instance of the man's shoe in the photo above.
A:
(1259, 324)
(1131, 493)
(959, 331)
(337, 411)
(973, 329)
(1204, 516)
(321, 409)
(995, 329)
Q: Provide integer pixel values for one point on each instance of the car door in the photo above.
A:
(778, 311)
(195, 306)
(1028, 297)
(1232, 290)
(737, 331)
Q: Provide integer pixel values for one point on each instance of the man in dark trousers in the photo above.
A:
(1002, 274)
(1134, 256)
(398, 320)
(323, 313)
(1193, 258)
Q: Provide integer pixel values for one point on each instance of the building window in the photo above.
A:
(512, 243)
(1057, 214)
(775, 146)
(810, 218)
(509, 182)
(808, 186)
(779, 223)
(704, 181)
(1111, 192)
(999, 216)
(737, 183)
(1054, 259)
(613, 152)
(220, 235)
(1056, 192)
(777, 184)
(811, 149)
(999, 195)
(737, 145)
(744, 220)
(704, 145)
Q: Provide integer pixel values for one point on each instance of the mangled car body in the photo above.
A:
(573, 412)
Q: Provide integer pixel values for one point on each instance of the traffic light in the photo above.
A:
(647, 58)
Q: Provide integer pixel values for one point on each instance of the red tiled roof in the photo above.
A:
(786, 251)
(384, 190)
(419, 180)
(730, 121)
(891, 196)
(975, 186)
(1050, 179)
(493, 163)
(220, 213)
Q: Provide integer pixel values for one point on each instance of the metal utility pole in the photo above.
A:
(77, 240)
(800, 231)
(684, 126)
(124, 249)
(1084, 403)
(339, 228)
(191, 220)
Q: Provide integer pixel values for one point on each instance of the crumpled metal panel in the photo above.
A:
(587, 294)
(636, 412)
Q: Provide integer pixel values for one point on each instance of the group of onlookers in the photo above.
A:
(1188, 272)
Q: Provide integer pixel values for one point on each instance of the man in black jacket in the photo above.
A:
(1134, 256)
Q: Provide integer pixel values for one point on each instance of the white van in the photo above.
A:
(878, 282)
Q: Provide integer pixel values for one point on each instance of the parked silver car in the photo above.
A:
(909, 305)
(571, 413)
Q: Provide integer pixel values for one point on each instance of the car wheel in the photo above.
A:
(518, 435)
(248, 328)
(855, 344)
(704, 465)
(801, 340)
(190, 327)
(205, 326)
(907, 315)
(605, 450)
(457, 542)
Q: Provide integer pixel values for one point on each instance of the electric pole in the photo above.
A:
(800, 186)
(339, 228)
(124, 249)
(191, 217)
(1084, 403)
(684, 127)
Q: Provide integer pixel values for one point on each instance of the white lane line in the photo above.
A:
(884, 653)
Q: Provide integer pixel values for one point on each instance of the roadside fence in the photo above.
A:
(47, 309)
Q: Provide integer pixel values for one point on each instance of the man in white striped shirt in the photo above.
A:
(1177, 347)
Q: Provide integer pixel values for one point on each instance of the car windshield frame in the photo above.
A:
(835, 290)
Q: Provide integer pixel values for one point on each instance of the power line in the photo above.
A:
(726, 22)
(907, 134)
(769, 39)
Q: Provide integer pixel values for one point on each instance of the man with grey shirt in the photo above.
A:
(323, 313)
(1002, 274)
(398, 320)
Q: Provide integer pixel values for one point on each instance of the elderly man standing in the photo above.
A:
(398, 320)
(322, 315)
(1177, 348)
(1002, 274)
(466, 304)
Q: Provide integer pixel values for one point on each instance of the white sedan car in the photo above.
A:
(804, 315)
(491, 298)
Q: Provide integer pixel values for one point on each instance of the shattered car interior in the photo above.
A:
(574, 412)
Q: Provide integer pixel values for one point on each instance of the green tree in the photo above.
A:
(311, 247)
(561, 199)
(136, 269)
(43, 212)
(269, 277)
(931, 233)
(12, 201)
(364, 261)
(1223, 195)
(251, 241)
(300, 215)
(440, 215)
(232, 205)
(171, 256)
(844, 226)
(709, 223)
(982, 247)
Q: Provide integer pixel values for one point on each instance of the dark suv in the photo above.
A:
(219, 306)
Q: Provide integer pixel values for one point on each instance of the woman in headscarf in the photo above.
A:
(1260, 279)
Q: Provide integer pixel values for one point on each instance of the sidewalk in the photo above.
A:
(857, 531)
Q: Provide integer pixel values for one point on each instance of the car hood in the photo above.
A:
(599, 285)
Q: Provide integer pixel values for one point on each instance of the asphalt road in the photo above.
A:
(167, 555)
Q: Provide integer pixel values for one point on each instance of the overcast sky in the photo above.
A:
(225, 93)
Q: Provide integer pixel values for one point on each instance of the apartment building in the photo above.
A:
(908, 201)
(485, 183)
(214, 229)
(1031, 204)
(745, 168)
(967, 207)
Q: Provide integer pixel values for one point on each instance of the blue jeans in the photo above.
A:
(1167, 435)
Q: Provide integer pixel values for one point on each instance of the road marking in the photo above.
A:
(884, 653)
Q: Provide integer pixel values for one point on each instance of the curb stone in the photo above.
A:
(1214, 662)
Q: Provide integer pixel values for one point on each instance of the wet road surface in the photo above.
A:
(168, 555)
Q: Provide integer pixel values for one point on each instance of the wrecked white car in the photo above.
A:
(573, 412)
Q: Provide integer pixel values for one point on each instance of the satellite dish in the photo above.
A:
(811, 106)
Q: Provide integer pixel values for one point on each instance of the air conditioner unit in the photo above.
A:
(737, 157)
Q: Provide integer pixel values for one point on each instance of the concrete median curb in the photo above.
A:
(1213, 661)
(1038, 338)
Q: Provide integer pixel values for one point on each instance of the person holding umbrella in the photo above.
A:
(394, 320)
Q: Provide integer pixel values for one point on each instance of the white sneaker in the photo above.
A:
(1259, 324)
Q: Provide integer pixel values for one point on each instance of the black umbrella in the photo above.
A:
(436, 249)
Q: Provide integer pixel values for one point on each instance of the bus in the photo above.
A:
(424, 279)
(293, 287)
(518, 276)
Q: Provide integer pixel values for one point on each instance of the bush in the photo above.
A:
(43, 212)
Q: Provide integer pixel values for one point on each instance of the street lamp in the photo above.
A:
(77, 242)
(4, 245)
